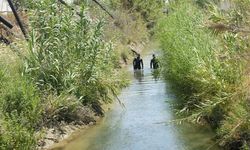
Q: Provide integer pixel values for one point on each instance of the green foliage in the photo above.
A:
(60, 108)
(205, 3)
(150, 10)
(21, 102)
(20, 113)
(188, 50)
(2, 76)
(236, 126)
(67, 64)
(69, 54)
(206, 70)
(233, 17)
(14, 135)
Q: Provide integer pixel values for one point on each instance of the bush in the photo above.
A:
(21, 102)
(60, 108)
(14, 135)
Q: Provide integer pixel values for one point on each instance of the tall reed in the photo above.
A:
(68, 53)
(206, 71)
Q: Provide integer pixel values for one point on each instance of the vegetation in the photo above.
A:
(72, 60)
(207, 69)
(66, 64)
(149, 10)
(128, 30)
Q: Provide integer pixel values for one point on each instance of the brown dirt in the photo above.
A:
(63, 130)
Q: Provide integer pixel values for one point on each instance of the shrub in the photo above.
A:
(14, 135)
(21, 102)
(60, 108)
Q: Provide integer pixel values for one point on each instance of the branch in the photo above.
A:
(103, 8)
(18, 19)
(6, 23)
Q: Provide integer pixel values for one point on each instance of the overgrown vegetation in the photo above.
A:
(208, 68)
(129, 30)
(67, 64)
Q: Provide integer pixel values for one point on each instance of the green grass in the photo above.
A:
(20, 109)
(206, 71)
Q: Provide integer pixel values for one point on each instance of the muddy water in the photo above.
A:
(141, 125)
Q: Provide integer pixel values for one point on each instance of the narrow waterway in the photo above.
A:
(142, 125)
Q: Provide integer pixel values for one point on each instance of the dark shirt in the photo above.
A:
(154, 63)
(138, 63)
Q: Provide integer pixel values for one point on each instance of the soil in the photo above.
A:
(63, 130)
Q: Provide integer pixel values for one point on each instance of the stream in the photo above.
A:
(144, 122)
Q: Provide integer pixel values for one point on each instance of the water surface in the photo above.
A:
(142, 125)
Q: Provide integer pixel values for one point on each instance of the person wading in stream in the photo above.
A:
(138, 63)
(154, 63)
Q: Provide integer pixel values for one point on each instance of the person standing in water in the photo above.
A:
(154, 63)
(138, 63)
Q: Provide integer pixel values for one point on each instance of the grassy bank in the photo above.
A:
(208, 69)
(66, 65)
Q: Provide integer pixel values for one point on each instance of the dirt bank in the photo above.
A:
(54, 133)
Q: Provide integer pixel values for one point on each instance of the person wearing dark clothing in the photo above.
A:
(154, 63)
(138, 63)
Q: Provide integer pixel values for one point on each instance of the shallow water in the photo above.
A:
(142, 125)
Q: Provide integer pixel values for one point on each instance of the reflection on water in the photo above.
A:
(142, 125)
(138, 75)
(156, 74)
